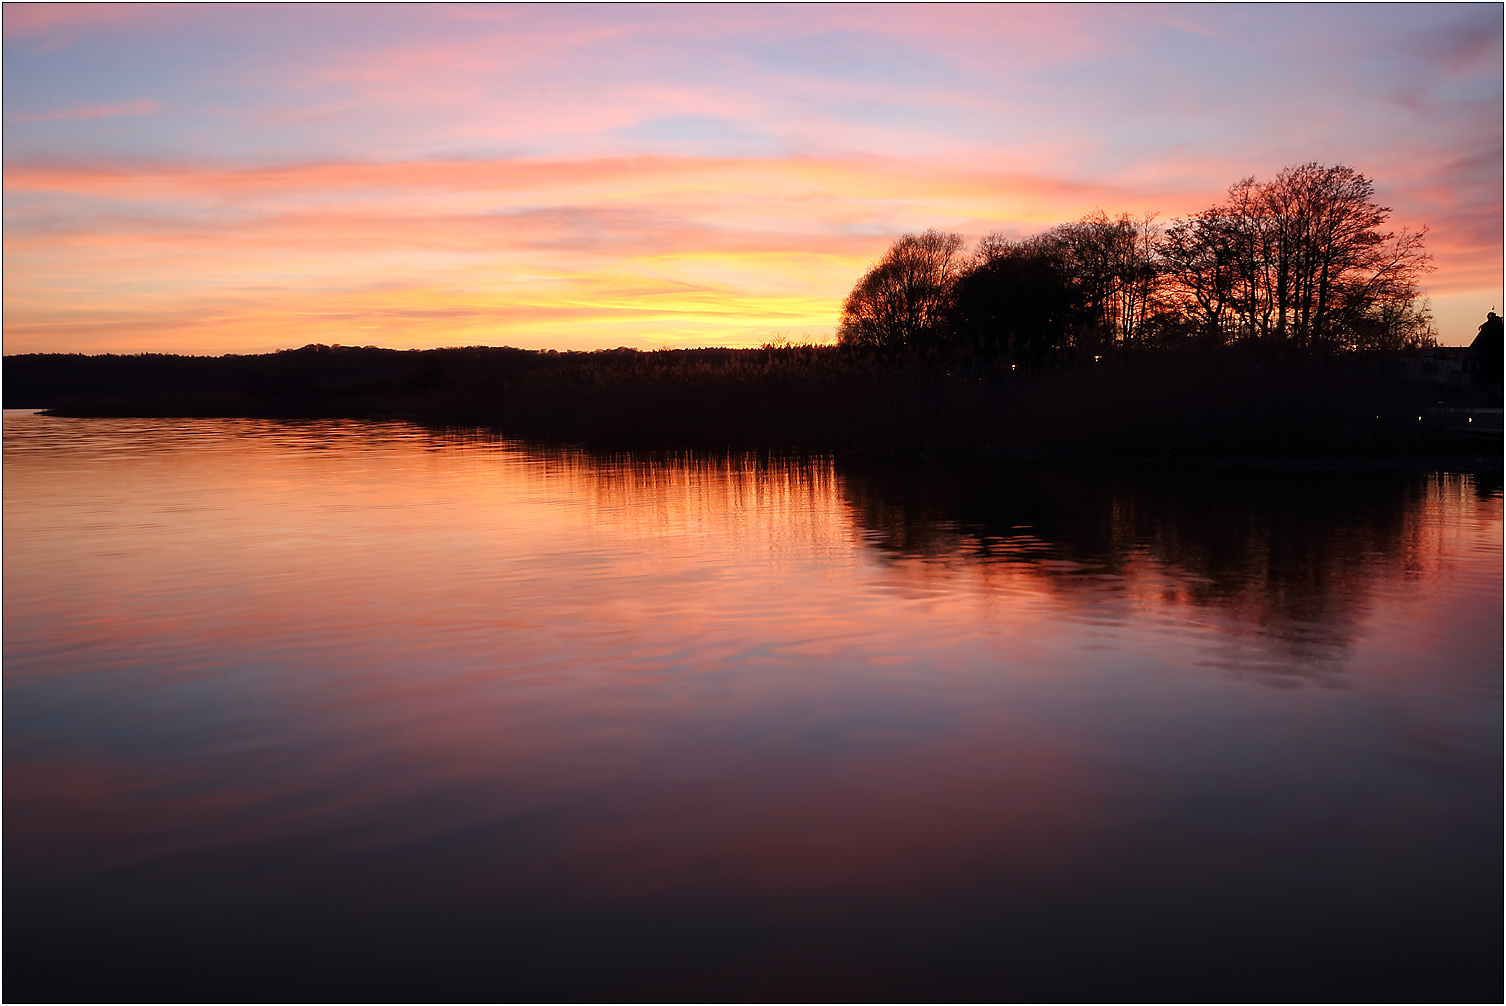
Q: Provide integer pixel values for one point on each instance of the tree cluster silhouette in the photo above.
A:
(1301, 261)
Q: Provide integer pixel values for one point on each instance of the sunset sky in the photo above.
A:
(242, 179)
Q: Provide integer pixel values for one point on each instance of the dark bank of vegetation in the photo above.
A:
(1282, 323)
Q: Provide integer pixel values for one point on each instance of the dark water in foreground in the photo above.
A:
(360, 711)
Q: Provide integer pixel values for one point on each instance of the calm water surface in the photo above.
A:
(325, 709)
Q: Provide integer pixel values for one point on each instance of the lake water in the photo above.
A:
(367, 711)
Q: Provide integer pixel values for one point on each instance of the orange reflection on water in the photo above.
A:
(398, 671)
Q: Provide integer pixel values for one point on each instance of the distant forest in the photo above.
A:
(1301, 261)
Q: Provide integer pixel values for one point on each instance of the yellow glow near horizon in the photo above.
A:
(243, 178)
(651, 252)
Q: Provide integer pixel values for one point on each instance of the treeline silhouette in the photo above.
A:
(1300, 261)
(1282, 323)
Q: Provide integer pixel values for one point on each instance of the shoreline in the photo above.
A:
(1444, 462)
(1233, 405)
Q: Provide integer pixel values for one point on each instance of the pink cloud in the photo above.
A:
(33, 20)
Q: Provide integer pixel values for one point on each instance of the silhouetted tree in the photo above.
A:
(1113, 263)
(1200, 261)
(1079, 287)
(1301, 259)
(1018, 303)
(904, 302)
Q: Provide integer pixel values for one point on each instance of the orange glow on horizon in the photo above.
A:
(645, 252)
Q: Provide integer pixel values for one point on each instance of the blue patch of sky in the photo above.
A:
(214, 75)
(857, 57)
(99, 72)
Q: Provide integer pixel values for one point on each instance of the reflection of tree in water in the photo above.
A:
(1288, 557)
(1285, 562)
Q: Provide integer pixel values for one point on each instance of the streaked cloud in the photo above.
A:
(584, 176)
